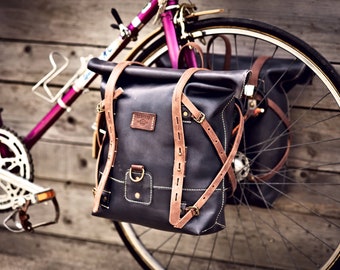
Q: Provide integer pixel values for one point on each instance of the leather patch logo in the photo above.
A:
(143, 121)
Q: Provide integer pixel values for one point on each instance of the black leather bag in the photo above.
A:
(267, 136)
(264, 180)
(165, 159)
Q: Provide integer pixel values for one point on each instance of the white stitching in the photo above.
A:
(138, 202)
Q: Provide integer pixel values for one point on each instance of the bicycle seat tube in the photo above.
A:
(171, 37)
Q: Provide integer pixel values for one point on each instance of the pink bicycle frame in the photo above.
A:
(109, 54)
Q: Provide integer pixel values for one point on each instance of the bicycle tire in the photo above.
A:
(275, 228)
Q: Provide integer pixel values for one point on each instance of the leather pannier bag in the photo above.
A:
(266, 141)
(167, 139)
(267, 137)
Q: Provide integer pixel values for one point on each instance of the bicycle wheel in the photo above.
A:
(299, 228)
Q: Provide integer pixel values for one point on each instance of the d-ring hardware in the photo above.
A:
(136, 169)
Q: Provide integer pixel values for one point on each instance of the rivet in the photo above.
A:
(137, 195)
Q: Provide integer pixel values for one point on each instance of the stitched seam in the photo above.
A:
(169, 188)
(224, 122)
(223, 182)
(218, 215)
(186, 189)
(212, 227)
(138, 202)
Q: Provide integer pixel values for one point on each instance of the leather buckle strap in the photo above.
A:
(279, 165)
(110, 96)
(179, 147)
(193, 210)
(200, 118)
(180, 157)
(227, 53)
(256, 69)
(191, 46)
(212, 136)
(97, 137)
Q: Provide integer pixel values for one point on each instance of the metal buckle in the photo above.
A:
(195, 212)
(199, 119)
(100, 107)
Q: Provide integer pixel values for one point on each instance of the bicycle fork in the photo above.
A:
(18, 220)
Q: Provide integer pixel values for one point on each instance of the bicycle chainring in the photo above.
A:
(15, 158)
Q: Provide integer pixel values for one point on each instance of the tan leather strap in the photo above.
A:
(180, 154)
(227, 54)
(96, 137)
(189, 45)
(110, 95)
(279, 112)
(256, 69)
(179, 147)
(279, 165)
(200, 118)
(194, 210)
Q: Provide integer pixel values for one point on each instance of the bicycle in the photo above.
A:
(275, 244)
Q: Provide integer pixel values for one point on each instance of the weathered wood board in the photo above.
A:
(29, 31)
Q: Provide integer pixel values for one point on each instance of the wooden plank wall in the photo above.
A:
(29, 30)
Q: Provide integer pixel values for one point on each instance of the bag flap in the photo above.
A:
(295, 72)
(237, 77)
